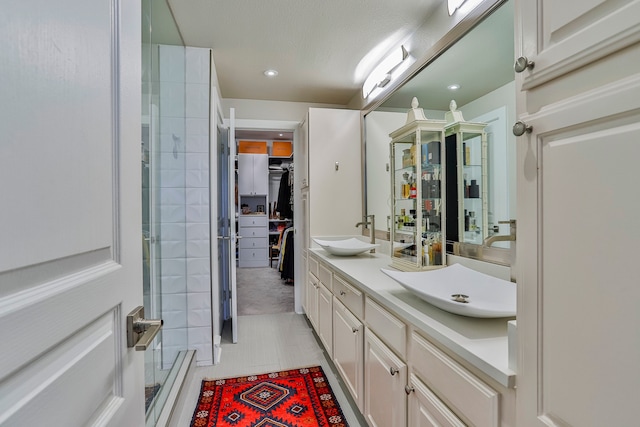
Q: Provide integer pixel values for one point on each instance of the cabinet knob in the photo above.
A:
(354, 330)
(393, 370)
(522, 64)
(409, 389)
(520, 128)
(343, 293)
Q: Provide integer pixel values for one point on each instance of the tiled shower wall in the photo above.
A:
(197, 205)
(184, 202)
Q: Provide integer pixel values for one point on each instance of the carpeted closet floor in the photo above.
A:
(262, 291)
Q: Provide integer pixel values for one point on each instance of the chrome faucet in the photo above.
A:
(372, 231)
(502, 237)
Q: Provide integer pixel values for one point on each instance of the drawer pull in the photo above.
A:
(343, 293)
(393, 370)
(409, 389)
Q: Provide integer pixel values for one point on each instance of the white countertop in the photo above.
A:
(480, 342)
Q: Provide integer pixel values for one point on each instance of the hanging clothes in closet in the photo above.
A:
(285, 262)
(285, 194)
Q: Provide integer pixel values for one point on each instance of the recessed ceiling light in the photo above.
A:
(453, 87)
(270, 73)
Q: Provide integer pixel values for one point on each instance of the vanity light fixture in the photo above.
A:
(454, 86)
(381, 74)
(452, 5)
(271, 73)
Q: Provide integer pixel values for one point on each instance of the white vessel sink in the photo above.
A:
(460, 290)
(345, 247)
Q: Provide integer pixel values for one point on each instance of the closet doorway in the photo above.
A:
(265, 206)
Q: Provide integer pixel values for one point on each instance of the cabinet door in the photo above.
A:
(348, 350)
(312, 300)
(245, 174)
(261, 174)
(253, 174)
(385, 377)
(577, 171)
(325, 318)
(562, 37)
(426, 410)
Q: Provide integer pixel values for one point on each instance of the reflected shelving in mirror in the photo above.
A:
(416, 183)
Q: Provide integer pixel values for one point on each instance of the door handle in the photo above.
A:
(141, 331)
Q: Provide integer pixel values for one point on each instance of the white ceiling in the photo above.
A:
(321, 48)
(316, 46)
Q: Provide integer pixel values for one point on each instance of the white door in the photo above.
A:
(225, 202)
(70, 215)
(578, 205)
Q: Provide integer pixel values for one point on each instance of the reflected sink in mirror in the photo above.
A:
(460, 290)
(345, 247)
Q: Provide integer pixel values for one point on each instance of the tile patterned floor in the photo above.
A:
(266, 343)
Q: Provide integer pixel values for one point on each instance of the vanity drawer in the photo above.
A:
(351, 297)
(253, 232)
(313, 266)
(386, 326)
(252, 221)
(250, 242)
(326, 276)
(464, 392)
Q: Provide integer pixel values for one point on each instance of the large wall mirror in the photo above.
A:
(481, 64)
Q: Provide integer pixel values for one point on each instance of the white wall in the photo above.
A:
(270, 110)
(502, 97)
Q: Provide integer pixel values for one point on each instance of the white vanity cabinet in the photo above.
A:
(396, 373)
(253, 174)
(385, 377)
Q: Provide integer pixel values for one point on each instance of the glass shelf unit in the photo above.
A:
(467, 197)
(417, 188)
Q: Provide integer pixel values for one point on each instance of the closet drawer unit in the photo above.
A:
(386, 326)
(464, 392)
(352, 298)
(313, 266)
(253, 242)
(326, 276)
(254, 257)
(248, 232)
(252, 221)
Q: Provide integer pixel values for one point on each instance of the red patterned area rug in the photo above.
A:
(294, 398)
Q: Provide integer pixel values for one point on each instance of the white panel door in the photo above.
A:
(70, 222)
(577, 208)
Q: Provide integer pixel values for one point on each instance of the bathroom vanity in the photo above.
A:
(404, 361)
